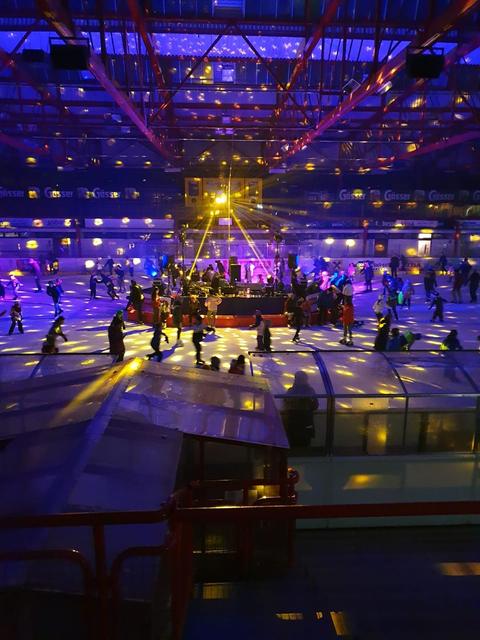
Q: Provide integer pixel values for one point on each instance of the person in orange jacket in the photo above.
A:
(347, 319)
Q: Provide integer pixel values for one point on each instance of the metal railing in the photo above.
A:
(102, 585)
(102, 590)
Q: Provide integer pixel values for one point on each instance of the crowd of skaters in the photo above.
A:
(327, 299)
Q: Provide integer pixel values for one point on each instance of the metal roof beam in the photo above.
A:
(305, 54)
(436, 145)
(16, 143)
(450, 59)
(139, 18)
(445, 22)
(57, 17)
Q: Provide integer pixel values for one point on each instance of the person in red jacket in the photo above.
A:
(347, 319)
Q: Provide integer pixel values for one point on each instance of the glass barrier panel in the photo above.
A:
(446, 426)
(433, 376)
(369, 426)
(280, 371)
(361, 374)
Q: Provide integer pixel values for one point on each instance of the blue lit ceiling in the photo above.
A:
(209, 85)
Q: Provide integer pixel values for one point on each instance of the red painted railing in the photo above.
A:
(102, 586)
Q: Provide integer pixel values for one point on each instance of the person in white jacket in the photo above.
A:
(378, 307)
(212, 303)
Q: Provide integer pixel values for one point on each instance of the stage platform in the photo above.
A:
(234, 311)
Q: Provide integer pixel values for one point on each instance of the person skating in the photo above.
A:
(14, 284)
(437, 304)
(54, 292)
(394, 264)
(55, 332)
(237, 366)
(407, 293)
(368, 274)
(120, 273)
(215, 364)
(465, 268)
(394, 342)
(443, 263)
(136, 299)
(111, 288)
(307, 312)
(429, 282)
(451, 342)
(35, 267)
(289, 308)
(378, 307)
(156, 302)
(347, 320)
(267, 336)
(155, 344)
(259, 326)
(16, 318)
(193, 308)
(383, 332)
(457, 285)
(392, 300)
(177, 319)
(297, 322)
(408, 339)
(116, 337)
(347, 291)
(129, 265)
(164, 312)
(386, 282)
(109, 266)
(473, 282)
(93, 286)
(212, 303)
(198, 334)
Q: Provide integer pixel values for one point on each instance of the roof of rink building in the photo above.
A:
(255, 85)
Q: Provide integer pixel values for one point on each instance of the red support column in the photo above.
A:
(101, 575)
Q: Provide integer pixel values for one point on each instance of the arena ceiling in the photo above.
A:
(257, 86)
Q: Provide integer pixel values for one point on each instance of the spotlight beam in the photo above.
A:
(200, 246)
(250, 243)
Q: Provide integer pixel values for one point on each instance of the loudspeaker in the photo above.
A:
(72, 57)
(424, 65)
(233, 260)
(32, 56)
(235, 275)
(292, 261)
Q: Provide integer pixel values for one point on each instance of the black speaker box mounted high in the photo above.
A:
(235, 275)
(425, 64)
(33, 56)
(70, 57)
(292, 261)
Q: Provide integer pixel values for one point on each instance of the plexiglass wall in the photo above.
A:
(371, 403)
